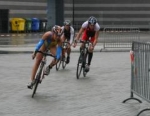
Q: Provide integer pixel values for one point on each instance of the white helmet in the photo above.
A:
(56, 29)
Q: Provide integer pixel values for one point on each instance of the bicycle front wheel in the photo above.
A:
(58, 65)
(35, 86)
(64, 62)
(85, 59)
(79, 66)
(37, 79)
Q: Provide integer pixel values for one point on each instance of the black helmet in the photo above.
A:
(56, 29)
(92, 20)
(67, 22)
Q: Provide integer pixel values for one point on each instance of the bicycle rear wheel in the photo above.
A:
(79, 66)
(58, 65)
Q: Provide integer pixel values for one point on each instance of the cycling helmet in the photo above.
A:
(92, 20)
(67, 22)
(56, 29)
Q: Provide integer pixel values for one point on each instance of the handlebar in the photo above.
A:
(46, 54)
(65, 44)
(86, 42)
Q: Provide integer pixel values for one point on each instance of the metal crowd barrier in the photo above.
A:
(140, 72)
(120, 37)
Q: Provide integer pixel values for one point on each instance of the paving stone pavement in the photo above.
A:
(60, 94)
(99, 94)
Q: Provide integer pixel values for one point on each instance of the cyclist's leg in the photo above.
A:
(63, 38)
(37, 62)
(53, 62)
(68, 52)
(90, 55)
(53, 51)
(90, 51)
(38, 59)
(68, 49)
(83, 38)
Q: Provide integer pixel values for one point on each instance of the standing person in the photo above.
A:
(51, 41)
(68, 34)
(90, 29)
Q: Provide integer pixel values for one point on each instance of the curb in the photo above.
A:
(29, 48)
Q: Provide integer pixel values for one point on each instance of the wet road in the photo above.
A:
(33, 38)
(20, 39)
(99, 94)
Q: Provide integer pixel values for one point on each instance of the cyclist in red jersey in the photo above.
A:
(90, 30)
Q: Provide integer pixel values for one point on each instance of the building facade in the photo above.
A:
(25, 8)
(123, 13)
(110, 13)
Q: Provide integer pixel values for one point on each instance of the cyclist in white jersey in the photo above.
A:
(68, 34)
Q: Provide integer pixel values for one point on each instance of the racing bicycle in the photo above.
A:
(63, 58)
(40, 74)
(82, 60)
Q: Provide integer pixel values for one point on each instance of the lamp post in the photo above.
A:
(73, 12)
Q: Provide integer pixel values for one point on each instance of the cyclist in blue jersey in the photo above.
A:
(50, 40)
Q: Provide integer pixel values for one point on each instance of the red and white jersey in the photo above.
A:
(96, 26)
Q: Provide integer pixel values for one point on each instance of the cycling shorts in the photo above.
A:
(85, 37)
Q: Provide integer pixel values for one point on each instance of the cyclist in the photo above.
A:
(68, 34)
(90, 30)
(50, 40)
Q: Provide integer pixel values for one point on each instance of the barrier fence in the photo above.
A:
(140, 72)
(120, 37)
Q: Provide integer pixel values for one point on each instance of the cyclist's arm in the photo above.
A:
(79, 34)
(59, 49)
(62, 30)
(41, 41)
(97, 28)
(58, 52)
(96, 38)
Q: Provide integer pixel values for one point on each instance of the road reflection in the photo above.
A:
(20, 39)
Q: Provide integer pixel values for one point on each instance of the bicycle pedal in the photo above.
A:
(40, 81)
